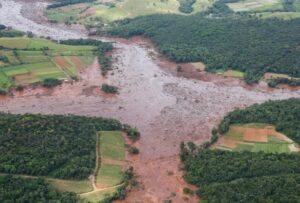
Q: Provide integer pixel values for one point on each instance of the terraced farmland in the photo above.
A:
(29, 61)
(255, 138)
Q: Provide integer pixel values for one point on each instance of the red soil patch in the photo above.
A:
(23, 76)
(229, 143)
(61, 62)
(77, 62)
(257, 135)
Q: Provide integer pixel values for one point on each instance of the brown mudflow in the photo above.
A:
(165, 108)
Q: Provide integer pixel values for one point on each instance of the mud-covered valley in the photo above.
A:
(166, 109)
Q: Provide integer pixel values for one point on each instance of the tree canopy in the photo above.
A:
(54, 146)
(14, 189)
(251, 45)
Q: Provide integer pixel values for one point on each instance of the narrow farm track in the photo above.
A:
(99, 190)
(166, 109)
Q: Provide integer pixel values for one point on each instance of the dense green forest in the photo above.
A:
(224, 176)
(210, 166)
(13, 189)
(49, 145)
(283, 189)
(277, 81)
(247, 44)
(285, 115)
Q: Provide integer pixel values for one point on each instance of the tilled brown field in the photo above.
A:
(165, 108)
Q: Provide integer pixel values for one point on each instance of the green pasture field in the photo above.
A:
(71, 186)
(110, 172)
(112, 145)
(32, 56)
(97, 196)
(234, 74)
(41, 43)
(109, 175)
(16, 42)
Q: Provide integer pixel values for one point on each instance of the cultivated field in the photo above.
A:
(255, 5)
(267, 8)
(27, 61)
(111, 165)
(256, 137)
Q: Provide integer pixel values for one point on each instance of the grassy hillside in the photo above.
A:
(97, 12)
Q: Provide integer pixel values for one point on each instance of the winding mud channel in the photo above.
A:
(165, 108)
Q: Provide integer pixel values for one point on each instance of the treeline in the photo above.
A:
(100, 52)
(8, 32)
(285, 115)
(60, 3)
(278, 81)
(211, 166)
(269, 189)
(220, 8)
(288, 5)
(13, 189)
(54, 146)
(251, 45)
(224, 176)
(186, 6)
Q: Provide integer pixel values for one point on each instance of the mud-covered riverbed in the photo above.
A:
(165, 108)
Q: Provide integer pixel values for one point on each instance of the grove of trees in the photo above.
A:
(54, 146)
(247, 44)
(14, 189)
(186, 6)
(225, 176)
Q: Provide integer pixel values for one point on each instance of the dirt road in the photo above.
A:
(166, 109)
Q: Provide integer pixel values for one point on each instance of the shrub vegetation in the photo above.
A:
(109, 88)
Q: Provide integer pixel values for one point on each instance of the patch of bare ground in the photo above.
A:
(166, 109)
